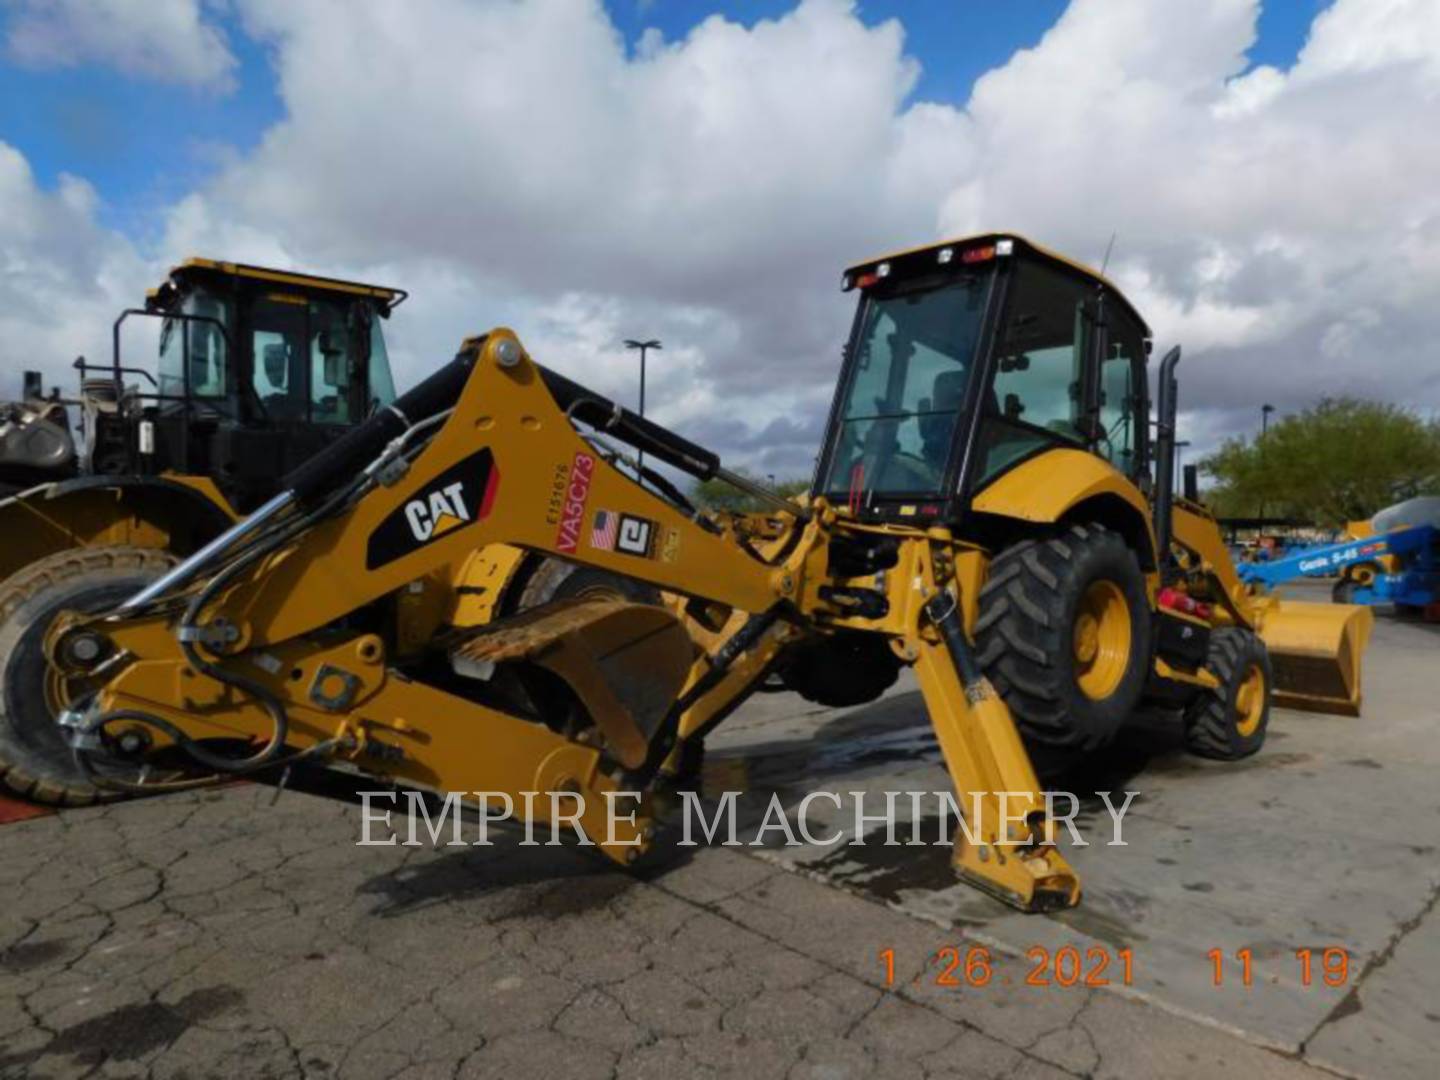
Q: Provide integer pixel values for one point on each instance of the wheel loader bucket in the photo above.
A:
(1316, 651)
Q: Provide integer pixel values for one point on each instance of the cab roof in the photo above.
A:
(195, 270)
(982, 247)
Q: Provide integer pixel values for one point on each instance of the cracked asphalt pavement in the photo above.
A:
(216, 935)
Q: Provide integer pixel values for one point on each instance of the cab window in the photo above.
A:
(1037, 396)
(382, 383)
(277, 339)
(193, 355)
(913, 355)
(303, 353)
(1122, 406)
(330, 358)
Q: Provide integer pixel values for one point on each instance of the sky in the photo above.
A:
(591, 170)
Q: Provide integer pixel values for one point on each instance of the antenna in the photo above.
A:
(1108, 249)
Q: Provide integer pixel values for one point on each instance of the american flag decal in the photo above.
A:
(602, 534)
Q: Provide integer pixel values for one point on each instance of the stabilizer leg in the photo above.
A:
(1006, 843)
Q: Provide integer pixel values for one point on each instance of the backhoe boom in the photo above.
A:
(288, 641)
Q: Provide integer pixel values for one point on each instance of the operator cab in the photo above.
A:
(969, 357)
(258, 370)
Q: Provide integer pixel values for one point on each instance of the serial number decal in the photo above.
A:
(573, 496)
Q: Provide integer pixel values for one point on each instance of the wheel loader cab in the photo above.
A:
(258, 370)
(969, 358)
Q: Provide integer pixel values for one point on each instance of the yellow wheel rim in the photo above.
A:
(1250, 701)
(62, 692)
(1363, 575)
(1101, 640)
(57, 694)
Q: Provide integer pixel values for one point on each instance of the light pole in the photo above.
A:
(1265, 411)
(644, 347)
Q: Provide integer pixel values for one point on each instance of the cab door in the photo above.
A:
(1038, 394)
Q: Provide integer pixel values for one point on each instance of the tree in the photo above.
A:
(716, 494)
(1340, 460)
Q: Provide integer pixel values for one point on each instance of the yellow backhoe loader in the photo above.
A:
(982, 512)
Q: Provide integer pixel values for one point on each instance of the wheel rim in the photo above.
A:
(1250, 701)
(1101, 640)
(1363, 575)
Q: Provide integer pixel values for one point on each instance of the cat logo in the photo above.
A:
(460, 496)
(437, 513)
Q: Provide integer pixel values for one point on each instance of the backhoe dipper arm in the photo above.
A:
(273, 657)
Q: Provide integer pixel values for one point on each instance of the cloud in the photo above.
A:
(165, 40)
(515, 163)
(707, 190)
(63, 278)
(1284, 224)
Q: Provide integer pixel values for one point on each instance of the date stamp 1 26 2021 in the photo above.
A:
(1097, 965)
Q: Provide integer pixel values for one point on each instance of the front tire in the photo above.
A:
(1230, 722)
(1063, 634)
(35, 759)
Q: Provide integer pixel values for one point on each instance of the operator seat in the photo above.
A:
(937, 417)
(285, 403)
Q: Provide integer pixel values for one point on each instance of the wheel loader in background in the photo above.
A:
(983, 511)
(257, 371)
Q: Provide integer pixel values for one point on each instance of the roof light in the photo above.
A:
(866, 280)
(1004, 247)
(883, 270)
(977, 255)
(846, 283)
(946, 254)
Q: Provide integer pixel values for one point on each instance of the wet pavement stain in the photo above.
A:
(888, 873)
(128, 1032)
(1112, 916)
(28, 956)
(791, 764)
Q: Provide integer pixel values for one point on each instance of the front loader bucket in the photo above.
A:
(1316, 651)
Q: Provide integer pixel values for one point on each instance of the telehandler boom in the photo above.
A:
(970, 518)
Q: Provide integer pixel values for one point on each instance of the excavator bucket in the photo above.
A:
(626, 662)
(1316, 650)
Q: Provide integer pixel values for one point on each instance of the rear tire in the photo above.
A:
(1343, 591)
(1229, 722)
(1064, 635)
(35, 759)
